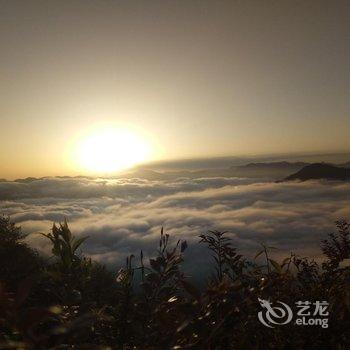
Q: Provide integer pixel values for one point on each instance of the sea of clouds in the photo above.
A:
(122, 216)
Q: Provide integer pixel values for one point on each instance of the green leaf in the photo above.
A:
(276, 265)
(258, 254)
(78, 242)
(285, 261)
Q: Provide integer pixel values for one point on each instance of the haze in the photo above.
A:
(193, 78)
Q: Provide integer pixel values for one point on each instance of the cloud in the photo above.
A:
(125, 215)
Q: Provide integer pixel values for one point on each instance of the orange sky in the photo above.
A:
(190, 78)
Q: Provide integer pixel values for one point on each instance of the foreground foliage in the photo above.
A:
(71, 302)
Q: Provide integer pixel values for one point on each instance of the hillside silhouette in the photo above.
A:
(320, 171)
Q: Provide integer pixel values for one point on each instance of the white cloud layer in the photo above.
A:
(125, 215)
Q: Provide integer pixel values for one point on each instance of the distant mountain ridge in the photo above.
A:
(282, 164)
(320, 171)
(273, 170)
(263, 170)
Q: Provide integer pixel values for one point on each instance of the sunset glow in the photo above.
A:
(111, 149)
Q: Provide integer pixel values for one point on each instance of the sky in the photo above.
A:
(189, 78)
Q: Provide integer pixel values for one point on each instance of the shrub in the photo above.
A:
(77, 303)
(17, 260)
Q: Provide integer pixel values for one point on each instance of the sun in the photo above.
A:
(111, 150)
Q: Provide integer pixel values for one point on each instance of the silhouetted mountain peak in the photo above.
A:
(320, 171)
